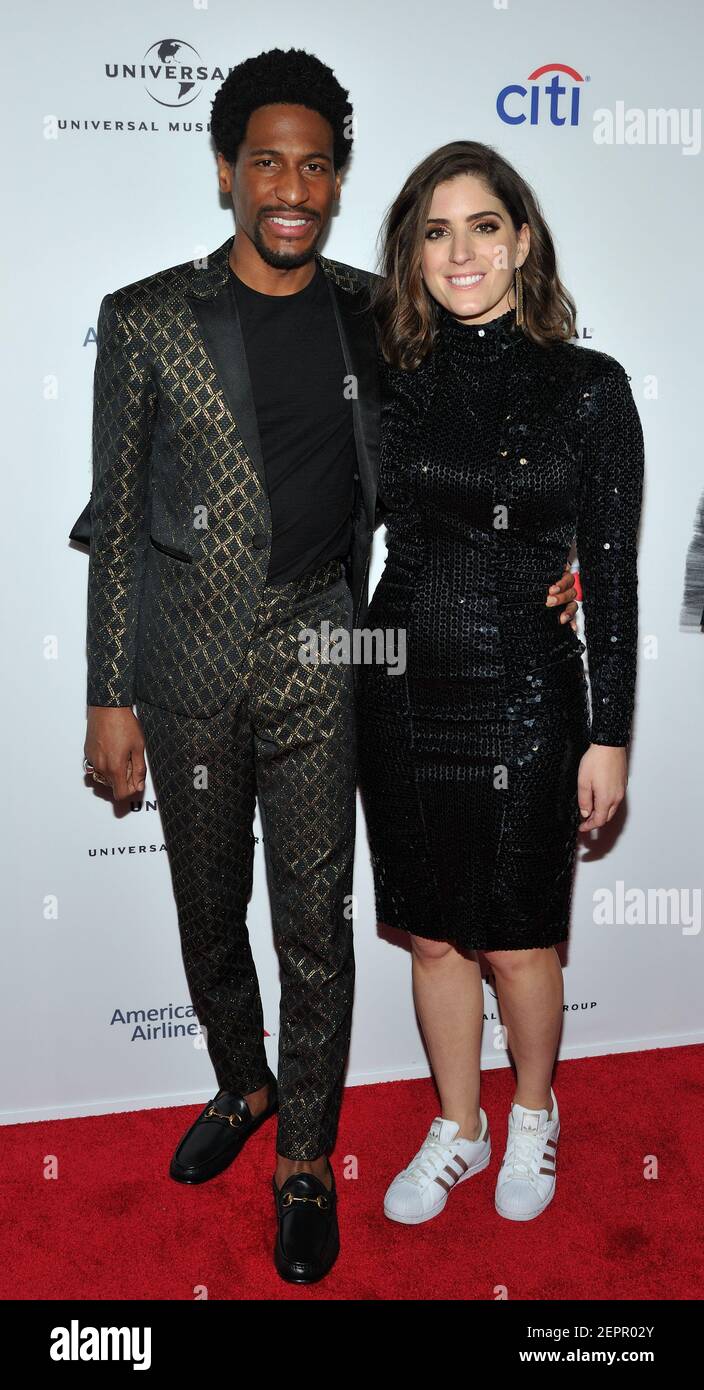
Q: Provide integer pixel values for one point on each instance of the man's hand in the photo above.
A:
(115, 747)
(601, 784)
(564, 592)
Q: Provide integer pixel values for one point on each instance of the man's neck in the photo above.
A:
(249, 267)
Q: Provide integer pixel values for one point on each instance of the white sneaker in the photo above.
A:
(526, 1182)
(421, 1190)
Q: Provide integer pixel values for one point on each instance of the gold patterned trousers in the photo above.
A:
(288, 741)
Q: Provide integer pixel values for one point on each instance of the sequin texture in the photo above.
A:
(497, 455)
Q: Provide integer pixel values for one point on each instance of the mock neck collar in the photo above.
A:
(479, 342)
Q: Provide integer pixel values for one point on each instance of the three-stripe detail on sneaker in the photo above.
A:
(455, 1177)
(549, 1157)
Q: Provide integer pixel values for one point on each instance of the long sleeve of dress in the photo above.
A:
(404, 398)
(607, 531)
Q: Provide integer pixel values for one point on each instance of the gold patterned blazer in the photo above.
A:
(178, 521)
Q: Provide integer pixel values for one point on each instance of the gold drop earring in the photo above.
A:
(518, 287)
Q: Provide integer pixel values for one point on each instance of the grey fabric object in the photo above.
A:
(692, 610)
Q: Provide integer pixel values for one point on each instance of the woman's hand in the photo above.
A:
(601, 784)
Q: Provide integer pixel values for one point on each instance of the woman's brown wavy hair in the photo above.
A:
(406, 314)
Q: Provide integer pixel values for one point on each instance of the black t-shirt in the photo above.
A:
(304, 415)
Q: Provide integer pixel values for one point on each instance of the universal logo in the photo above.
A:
(172, 72)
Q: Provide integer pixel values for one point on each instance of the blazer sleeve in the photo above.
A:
(124, 406)
(607, 538)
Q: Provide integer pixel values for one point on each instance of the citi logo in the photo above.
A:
(76, 1343)
(556, 100)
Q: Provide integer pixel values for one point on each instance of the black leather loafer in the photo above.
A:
(217, 1136)
(308, 1239)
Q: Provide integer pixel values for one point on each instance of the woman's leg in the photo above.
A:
(530, 992)
(448, 995)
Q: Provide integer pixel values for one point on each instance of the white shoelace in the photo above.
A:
(427, 1162)
(522, 1154)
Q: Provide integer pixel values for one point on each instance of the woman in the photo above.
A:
(502, 442)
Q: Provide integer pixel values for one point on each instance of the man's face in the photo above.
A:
(283, 184)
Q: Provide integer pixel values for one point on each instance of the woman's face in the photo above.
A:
(471, 250)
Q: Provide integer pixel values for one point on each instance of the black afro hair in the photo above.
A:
(277, 76)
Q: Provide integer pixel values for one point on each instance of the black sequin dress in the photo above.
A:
(496, 455)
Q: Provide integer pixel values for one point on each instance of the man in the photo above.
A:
(236, 430)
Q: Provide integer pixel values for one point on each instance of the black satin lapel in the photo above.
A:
(359, 350)
(219, 323)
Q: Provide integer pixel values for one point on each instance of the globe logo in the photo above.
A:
(172, 74)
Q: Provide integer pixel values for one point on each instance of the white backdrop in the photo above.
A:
(106, 183)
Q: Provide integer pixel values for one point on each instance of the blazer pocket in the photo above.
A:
(172, 551)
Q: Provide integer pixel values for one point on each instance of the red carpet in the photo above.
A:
(99, 1232)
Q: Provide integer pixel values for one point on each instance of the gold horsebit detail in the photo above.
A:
(212, 1110)
(288, 1198)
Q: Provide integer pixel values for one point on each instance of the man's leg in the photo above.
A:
(203, 773)
(303, 720)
